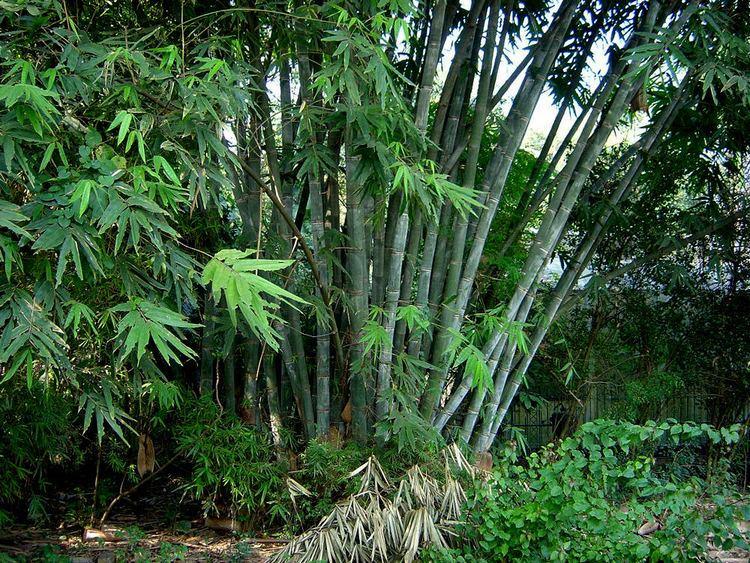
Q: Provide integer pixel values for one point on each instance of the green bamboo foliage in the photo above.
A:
(495, 176)
(583, 255)
(373, 182)
(570, 182)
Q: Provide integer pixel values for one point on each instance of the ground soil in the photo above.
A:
(147, 542)
(152, 527)
(157, 527)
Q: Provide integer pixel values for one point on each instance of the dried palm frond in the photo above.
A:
(424, 489)
(393, 526)
(326, 545)
(357, 533)
(353, 506)
(340, 516)
(329, 519)
(379, 548)
(454, 497)
(369, 526)
(455, 457)
(374, 503)
(373, 476)
(420, 530)
(296, 548)
(403, 498)
(296, 489)
(361, 553)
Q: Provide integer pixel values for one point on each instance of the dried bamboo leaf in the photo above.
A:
(369, 526)
(296, 489)
(146, 455)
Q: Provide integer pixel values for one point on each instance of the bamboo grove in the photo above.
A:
(287, 206)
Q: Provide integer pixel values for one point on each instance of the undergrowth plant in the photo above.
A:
(324, 471)
(598, 493)
(234, 472)
(387, 520)
(37, 437)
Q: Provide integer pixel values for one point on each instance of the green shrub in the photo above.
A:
(233, 468)
(236, 471)
(37, 433)
(324, 471)
(590, 494)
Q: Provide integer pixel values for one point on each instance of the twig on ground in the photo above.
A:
(134, 488)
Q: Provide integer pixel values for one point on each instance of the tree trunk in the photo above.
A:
(358, 281)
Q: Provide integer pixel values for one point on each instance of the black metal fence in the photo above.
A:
(546, 420)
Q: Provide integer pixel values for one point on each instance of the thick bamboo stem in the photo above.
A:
(317, 209)
(358, 281)
(516, 125)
